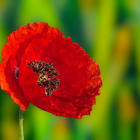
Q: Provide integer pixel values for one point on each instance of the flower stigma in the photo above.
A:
(46, 75)
(16, 72)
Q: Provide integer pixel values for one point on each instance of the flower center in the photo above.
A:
(46, 75)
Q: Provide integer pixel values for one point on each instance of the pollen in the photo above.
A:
(46, 76)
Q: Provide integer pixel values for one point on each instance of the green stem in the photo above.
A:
(21, 124)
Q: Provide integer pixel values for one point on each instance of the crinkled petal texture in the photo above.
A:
(79, 77)
(11, 55)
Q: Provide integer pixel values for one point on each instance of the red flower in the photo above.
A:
(44, 68)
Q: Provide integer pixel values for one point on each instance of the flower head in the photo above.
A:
(50, 71)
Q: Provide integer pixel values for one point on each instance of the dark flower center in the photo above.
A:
(46, 75)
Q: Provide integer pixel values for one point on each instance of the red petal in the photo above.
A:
(12, 52)
(10, 84)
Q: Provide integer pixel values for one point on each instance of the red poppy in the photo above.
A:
(44, 68)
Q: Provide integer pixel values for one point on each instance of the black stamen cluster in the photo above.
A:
(46, 75)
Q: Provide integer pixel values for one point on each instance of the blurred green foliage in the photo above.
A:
(110, 32)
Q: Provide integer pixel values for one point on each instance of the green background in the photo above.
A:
(108, 30)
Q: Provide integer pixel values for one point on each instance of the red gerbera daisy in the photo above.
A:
(44, 68)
